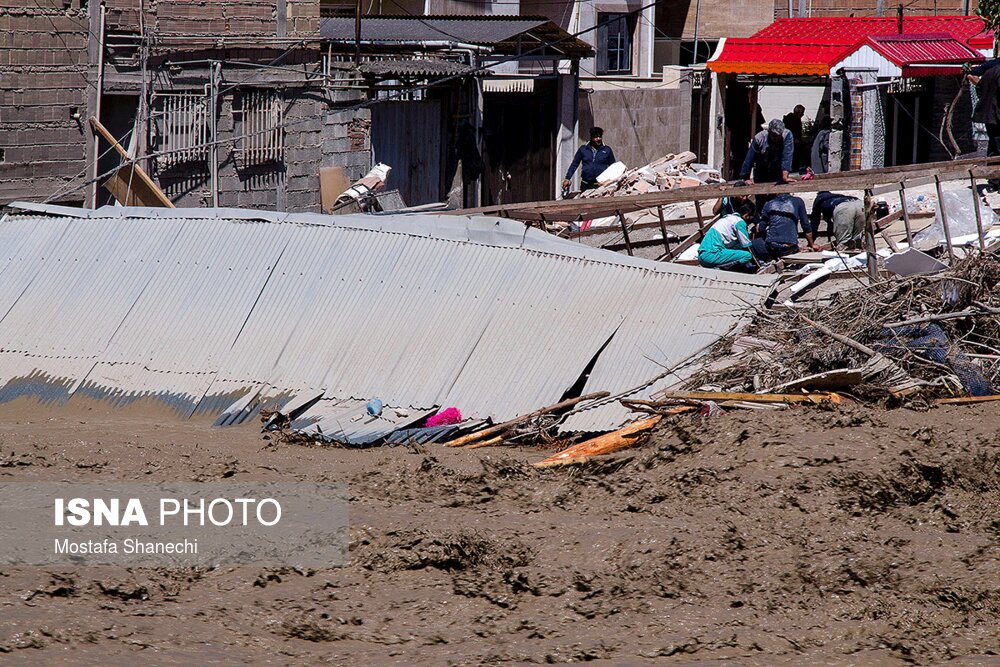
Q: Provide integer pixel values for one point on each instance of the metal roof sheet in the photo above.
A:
(911, 51)
(503, 33)
(223, 312)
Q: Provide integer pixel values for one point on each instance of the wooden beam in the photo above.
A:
(570, 210)
(691, 240)
(628, 243)
(130, 184)
(906, 215)
(979, 214)
(870, 237)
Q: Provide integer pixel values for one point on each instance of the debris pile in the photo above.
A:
(666, 173)
(930, 336)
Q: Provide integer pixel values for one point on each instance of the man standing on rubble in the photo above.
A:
(769, 157)
(845, 216)
(727, 244)
(778, 228)
(595, 158)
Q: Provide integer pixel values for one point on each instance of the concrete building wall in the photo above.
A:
(822, 8)
(640, 124)
(44, 76)
(676, 19)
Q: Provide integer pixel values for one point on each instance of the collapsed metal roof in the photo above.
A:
(222, 312)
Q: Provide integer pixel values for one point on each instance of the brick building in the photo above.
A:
(861, 8)
(229, 101)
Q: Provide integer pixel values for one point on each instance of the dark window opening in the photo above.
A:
(706, 47)
(614, 43)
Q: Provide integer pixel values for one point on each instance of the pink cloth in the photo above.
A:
(445, 417)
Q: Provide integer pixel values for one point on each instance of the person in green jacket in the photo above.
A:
(726, 245)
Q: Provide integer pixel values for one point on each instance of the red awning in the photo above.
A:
(925, 55)
(811, 46)
(754, 56)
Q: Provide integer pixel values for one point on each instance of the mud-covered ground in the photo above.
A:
(809, 536)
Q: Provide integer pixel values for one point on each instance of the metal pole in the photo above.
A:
(357, 32)
(790, 14)
(214, 124)
(697, 17)
(97, 108)
(944, 220)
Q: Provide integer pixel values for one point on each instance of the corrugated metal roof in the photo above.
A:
(909, 52)
(470, 30)
(503, 33)
(223, 312)
(810, 46)
(412, 67)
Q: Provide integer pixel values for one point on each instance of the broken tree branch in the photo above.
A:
(608, 443)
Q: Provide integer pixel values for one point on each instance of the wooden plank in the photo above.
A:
(608, 443)
(663, 229)
(753, 398)
(944, 221)
(979, 214)
(628, 243)
(130, 178)
(967, 400)
(906, 215)
(870, 236)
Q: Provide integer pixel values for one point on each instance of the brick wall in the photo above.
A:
(43, 78)
(857, 129)
(824, 8)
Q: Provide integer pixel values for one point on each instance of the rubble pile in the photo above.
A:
(666, 173)
(930, 336)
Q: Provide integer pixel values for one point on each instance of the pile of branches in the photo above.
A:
(938, 335)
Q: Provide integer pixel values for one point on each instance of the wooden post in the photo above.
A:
(701, 220)
(979, 214)
(944, 220)
(628, 243)
(906, 215)
(663, 229)
(870, 236)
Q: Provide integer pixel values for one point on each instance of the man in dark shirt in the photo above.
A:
(769, 158)
(595, 158)
(793, 123)
(988, 110)
(844, 215)
(778, 227)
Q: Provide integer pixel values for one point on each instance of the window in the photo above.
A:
(180, 127)
(614, 43)
(260, 116)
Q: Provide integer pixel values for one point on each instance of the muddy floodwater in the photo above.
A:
(839, 536)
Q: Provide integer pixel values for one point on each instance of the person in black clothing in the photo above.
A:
(793, 123)
(778, 228)
(595, 158)
(988, 110)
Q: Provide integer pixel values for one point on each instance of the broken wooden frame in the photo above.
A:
(130, 185)
(872, 181)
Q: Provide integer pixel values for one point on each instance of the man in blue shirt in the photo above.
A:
(595, 158)
(778, 227)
